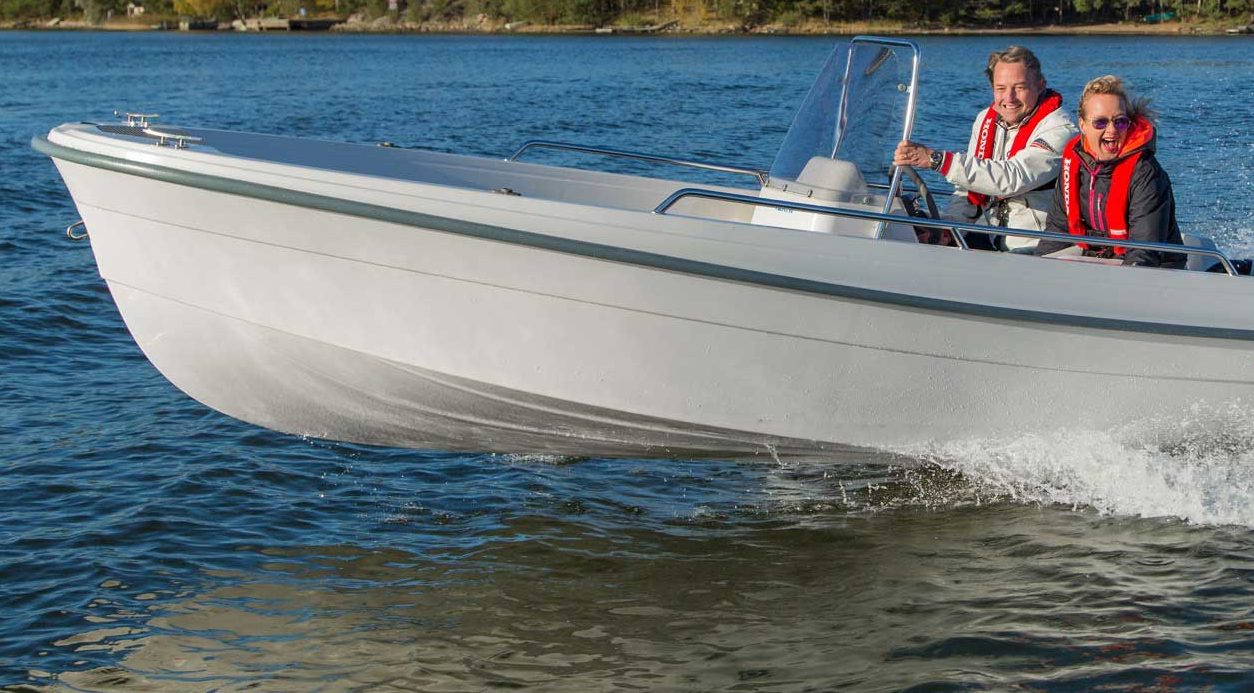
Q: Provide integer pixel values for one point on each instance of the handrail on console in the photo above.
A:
(956, 226)
(623, 154)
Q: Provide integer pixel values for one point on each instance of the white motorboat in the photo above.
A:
(410, 298)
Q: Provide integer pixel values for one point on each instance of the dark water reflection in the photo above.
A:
(995, 597)
(149, 544)
(604, 575)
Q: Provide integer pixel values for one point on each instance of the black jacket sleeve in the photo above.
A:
(1055, 222)
(1151, 215)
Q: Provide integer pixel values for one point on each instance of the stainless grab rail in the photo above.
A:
(944, 189)
(762, 176)
(940, 224)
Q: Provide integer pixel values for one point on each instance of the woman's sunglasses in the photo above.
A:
(1121, 123)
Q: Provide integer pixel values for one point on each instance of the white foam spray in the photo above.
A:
(1199, 468)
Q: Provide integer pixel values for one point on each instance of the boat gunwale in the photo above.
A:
(611, 253)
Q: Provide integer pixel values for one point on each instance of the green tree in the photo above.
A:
(203, 8)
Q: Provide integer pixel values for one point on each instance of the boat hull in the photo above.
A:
(386, 331)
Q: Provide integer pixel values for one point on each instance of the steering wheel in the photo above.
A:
(932, 210)
(927, 194)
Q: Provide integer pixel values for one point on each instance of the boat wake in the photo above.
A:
(1199, 469)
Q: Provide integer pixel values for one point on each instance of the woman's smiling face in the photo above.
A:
(1108, 110)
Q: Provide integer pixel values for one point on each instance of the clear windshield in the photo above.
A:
(858, 120)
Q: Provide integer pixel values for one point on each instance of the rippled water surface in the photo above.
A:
(147, 543)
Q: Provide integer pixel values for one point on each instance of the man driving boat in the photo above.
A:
(1006, 176)
(1111, 184)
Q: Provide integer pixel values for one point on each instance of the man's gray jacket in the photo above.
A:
(1024, 182)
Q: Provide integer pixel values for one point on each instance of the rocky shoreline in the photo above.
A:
(482, 24)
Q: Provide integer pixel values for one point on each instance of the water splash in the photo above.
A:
(524, 459)
(1199, 468)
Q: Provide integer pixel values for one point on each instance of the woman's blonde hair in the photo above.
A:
(1110, 84)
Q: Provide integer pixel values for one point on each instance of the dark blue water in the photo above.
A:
(147, 543)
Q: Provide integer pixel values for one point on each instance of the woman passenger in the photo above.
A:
(1110, 184)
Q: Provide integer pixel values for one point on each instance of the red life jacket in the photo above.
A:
(1050, 102)
(1116, 198)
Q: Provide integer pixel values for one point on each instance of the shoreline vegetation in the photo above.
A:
(685, 17)
(355, 25)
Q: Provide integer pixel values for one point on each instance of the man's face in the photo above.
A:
(1016, 89)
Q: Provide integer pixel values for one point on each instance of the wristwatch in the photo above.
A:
(937, 159)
